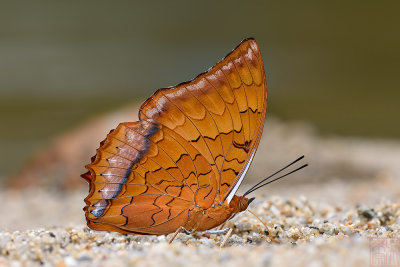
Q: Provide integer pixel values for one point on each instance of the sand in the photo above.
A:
(329, 215)
(299, 232)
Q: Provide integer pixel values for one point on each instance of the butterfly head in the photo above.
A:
(245, 202)
(240, 203)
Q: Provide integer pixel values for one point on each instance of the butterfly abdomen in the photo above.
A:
(204, 219)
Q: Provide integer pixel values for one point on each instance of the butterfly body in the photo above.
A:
(201, 219)
(182, 162)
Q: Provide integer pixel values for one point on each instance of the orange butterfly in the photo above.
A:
(181, 164)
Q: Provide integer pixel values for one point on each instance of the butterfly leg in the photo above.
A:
(226, 237)
(217, 232)
(180, 229)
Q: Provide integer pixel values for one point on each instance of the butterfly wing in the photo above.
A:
(144, 179)
(192, 147)
(220, 113)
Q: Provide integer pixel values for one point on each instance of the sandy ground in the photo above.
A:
(327, 215)
(299, 231)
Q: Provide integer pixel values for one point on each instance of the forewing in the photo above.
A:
(221, 113)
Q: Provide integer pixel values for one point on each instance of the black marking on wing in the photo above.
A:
(244, 146)
(180, 157)
(169, 214)
(230, 169)
(249, 108)
(195, 140)
(239, 161)
(152, 216)
(205, 173)
(211, 189)
(122, 212)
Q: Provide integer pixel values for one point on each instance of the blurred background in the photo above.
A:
(333, 64)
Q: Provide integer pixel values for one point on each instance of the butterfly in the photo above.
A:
(181, 164)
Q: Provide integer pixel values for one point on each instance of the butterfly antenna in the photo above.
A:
(261, 183)
(252, 190)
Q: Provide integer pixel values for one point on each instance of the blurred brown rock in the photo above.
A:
(59, 164)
